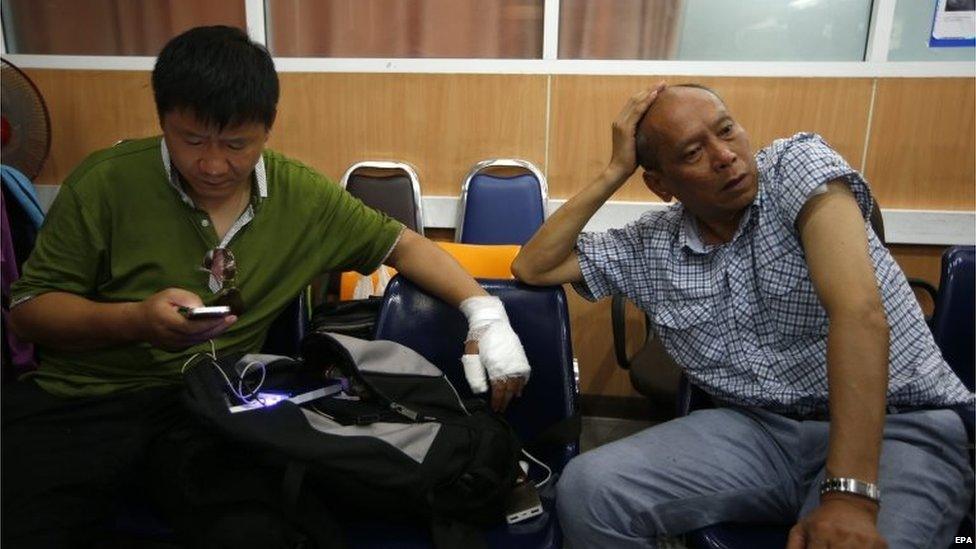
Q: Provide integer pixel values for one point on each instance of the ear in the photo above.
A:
(655, 183)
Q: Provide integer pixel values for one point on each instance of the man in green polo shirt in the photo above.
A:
(146, 229)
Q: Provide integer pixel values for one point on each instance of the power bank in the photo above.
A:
(523, 503)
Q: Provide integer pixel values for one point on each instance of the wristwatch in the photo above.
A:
(851, 486)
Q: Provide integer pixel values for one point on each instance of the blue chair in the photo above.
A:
(547, 411)
(954, 328)
(952, 321)
(503, 201)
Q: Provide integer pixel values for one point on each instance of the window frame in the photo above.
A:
(875, 64)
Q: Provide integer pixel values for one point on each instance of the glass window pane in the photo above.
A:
(508, 29)
(714, 30)
(910, 34)
(108, 27)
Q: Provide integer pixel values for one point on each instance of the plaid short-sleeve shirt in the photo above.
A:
(742, 318)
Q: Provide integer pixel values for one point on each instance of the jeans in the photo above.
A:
(746, 465)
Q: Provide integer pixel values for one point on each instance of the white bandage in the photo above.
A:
(474, 372)
(499, 347)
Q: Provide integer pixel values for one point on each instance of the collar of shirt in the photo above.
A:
(689, 236)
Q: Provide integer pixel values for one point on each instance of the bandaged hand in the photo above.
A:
(500, 352)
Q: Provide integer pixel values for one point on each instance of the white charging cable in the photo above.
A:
(544, 481)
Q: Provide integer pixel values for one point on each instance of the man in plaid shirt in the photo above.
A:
(767, 285)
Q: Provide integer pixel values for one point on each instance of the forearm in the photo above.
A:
(428, 266)
(70, 322)
(555, 241)
(857, 373)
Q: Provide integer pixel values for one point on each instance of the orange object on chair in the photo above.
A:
(479, 260)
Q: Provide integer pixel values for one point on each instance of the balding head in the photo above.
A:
(669, 98)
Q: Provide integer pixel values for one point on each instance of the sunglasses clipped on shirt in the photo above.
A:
(222, 267)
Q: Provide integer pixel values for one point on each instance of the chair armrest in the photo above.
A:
(929, 289)
(924, 285)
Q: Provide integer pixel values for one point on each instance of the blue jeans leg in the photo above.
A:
(925, 478)
(711, 466)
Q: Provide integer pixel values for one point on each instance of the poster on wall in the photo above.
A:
(954, 24)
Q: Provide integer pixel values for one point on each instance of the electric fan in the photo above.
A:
(25, 128)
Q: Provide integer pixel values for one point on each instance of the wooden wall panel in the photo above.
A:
(921, 150)
(442, 124)
(91, 110)
(923, 262)
(583, 108)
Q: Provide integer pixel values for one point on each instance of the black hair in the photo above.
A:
(646, 151)
(219, 75)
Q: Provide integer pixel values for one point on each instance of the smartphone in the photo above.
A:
(523, 503)
(197, 313)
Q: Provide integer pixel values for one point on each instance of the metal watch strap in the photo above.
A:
(851, 486)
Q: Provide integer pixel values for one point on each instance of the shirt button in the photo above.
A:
(205, 222)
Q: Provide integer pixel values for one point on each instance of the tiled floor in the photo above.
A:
(601, 430)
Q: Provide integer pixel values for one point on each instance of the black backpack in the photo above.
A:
(373, 425)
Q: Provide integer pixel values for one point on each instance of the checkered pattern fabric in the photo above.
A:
(742, 318)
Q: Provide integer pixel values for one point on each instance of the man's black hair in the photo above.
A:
(646, 152)
(219, 75)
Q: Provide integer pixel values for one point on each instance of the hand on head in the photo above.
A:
(163, 326)
(623, 160)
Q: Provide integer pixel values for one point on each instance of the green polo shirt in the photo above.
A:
(121, 230)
